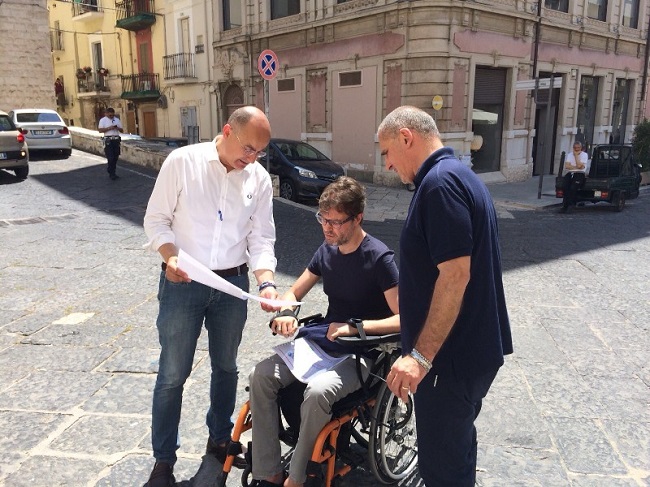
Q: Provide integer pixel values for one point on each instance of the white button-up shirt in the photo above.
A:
(222, 219)
(106, 122)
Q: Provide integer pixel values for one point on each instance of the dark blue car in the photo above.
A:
(303, 170)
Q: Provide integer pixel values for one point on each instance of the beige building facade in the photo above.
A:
(342, 66)
(26, 79)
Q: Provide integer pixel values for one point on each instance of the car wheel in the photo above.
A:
(22, 172)
(288, 190)
(619, 200)
(66, 152)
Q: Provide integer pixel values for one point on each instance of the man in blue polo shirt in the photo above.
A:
(455, 328)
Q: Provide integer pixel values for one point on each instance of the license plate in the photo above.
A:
(597, 194)
(3, 155)
(42, 132)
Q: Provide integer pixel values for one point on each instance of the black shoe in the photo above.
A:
(114, 177)
(161, 476)
(219, 451)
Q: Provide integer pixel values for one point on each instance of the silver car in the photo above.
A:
(43, 129)
(13, 150)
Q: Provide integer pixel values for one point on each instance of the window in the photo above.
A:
(231, 14)
(350, 78)
(587, 110)
(284, 8)
(631, 13)
(288, 84)
(619, 110)
(597, 9)
(57, 37)
(560, 5)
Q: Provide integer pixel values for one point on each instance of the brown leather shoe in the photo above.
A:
(220, 452)
(161, 476)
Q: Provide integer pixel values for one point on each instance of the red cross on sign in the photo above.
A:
(268, 64)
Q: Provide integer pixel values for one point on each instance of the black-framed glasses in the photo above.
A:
(334, 223)
(248, 151)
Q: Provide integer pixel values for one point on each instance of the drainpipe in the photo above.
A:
(645, 70)
(210, 72)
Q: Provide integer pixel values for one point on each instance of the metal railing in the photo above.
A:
(92, 82)
(85, 6)
(140, 82)
(179, 66)
(131, 8)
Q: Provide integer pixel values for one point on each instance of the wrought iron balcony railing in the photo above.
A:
(92, 82)
(135, 15)
(179, 66)
(85, 6)
(142, 86)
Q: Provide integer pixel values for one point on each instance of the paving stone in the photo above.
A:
(123, 394)
(601, 481)
(81, 335)
(632, 441)
(51, 391)
(626, 399)
(584, 447)
(101, 435)
(9, 463)
(132, 360)
(44, 471)
(73, 359)
(572, 336)
(22, 430)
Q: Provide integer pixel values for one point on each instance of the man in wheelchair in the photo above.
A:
(360, 280)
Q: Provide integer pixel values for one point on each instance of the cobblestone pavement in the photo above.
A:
(78, 346)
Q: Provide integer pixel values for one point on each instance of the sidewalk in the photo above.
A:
(386, 203)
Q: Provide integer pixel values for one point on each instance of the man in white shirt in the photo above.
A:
(216, 203)
(111, 127)
(575, 168)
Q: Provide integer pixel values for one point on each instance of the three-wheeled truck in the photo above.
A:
(614, 176)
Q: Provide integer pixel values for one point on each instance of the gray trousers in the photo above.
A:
(267, 378)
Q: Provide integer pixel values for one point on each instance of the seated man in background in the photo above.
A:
(360, 280)
(575, 167)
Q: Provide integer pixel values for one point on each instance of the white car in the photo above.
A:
(43, 129)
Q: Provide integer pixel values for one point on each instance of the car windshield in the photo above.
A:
(300, 152)
(5, 124)
(35, 117)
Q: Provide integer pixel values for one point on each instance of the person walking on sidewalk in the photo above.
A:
(111, 127)
(454, 322)
(216, 203)
(360, 279)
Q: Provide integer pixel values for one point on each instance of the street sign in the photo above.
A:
(544, 84)
(436, 102)
(268, 64)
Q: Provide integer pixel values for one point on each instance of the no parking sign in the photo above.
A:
(268, 64)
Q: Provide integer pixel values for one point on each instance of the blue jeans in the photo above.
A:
(184, 307)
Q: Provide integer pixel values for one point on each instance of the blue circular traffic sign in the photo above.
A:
(268, 64)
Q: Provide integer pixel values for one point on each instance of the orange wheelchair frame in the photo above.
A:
(378, 421)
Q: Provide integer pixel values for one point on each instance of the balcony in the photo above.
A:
(92, 85)
(87, 10)
(179, 67)
(141, 87)
(135, 15)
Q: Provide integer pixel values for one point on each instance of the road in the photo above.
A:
(78, 345)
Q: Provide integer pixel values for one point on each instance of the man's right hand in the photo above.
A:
(284, 325)
(173, 273)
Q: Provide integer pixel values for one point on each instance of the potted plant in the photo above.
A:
(103, 71)
(88, 69)
(81, 74)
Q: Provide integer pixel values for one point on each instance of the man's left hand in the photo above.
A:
(404, 377)
(269, 293)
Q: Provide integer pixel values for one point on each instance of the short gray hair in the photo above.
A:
(409, 117)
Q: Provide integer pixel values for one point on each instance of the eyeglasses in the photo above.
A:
(248, 151)
(334, 223)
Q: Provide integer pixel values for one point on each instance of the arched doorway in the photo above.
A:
(233, 98)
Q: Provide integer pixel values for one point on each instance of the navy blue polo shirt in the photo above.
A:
(452, 215)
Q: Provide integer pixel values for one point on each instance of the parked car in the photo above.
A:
(13, 150)
(613, 176)
(304, 171)
(43, 129)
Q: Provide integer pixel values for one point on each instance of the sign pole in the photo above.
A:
(267, 65)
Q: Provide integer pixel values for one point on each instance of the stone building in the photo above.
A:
(343, 65)
(26, 78)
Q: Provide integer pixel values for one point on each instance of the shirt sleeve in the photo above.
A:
(162, 203)
(261, 239)
(387, 273)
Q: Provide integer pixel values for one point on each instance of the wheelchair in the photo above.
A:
(370, 427)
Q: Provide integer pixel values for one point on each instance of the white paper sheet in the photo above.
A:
(305, 359)
(200, 273)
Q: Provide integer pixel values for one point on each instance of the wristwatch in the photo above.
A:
(358, 324)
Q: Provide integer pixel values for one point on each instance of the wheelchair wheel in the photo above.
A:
(392, 451)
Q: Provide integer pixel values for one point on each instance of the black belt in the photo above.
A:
(240, 270)
(112, 137)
